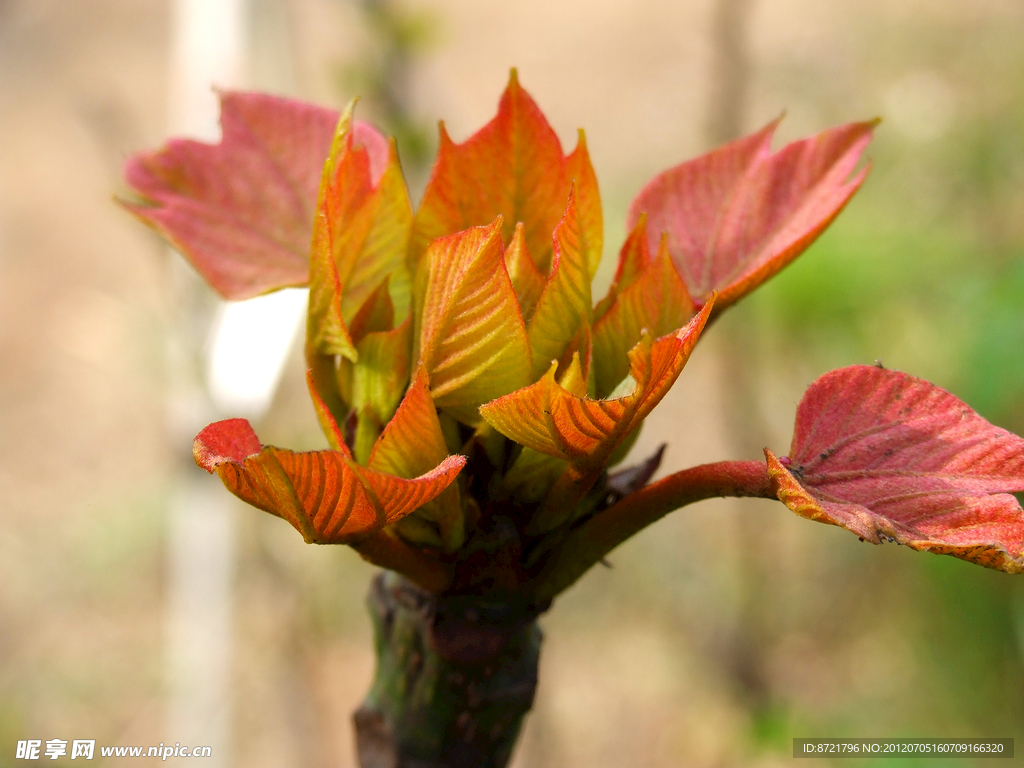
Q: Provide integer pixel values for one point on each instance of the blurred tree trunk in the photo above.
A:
(730, 71)
(741, 654)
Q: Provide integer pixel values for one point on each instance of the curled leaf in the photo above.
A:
(325, 495)
(527, 280)
(656, 302)
(892, 457)
(739, 214)
(413, 444)
(552, 420)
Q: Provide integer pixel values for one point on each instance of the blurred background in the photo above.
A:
(717, 636)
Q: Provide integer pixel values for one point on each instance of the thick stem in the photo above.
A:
(388, 551)
(589, 543)
(455, 678)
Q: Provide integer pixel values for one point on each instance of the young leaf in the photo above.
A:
(531, 477)
(739, 214)
(328, 423)
(379, 378)
(242, 210)
(472, 339)
(527, 281)
(580, 173)
(363, 264)
(634, 256)
(412, 444)
(323, 494)
(889, 456)
(377, 313)
(657, 302)
(360, 237)
(565, 304)
(513, 167)
(552, 420)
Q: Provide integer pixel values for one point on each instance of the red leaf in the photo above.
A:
(890, 456)
(739, 214)
(242, 210)
(233, 440)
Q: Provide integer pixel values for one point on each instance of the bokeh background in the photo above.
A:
(718, 635)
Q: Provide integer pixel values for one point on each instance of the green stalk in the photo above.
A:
(455, 678)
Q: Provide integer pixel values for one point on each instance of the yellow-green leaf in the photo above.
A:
(527, 281)
(472, 339)
(565, 304)
(412, 443)
(550, 419)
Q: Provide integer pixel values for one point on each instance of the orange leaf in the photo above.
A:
(892, 457)
(328, 423)
(472, 339)
(549, 419)
(376, 314)
(565, 304)
(360, 237)
(527, 281)
(323, 494)
(580, 172)
(242, 210)
(412, 443)
(326, 331)
(739, 214)
(634, 256)
(513, 167)
(657, 302)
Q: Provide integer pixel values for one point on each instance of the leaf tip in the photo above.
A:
(231, 440)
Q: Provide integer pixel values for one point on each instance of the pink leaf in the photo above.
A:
(739, 214)
(889, 456)
(242, 210)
